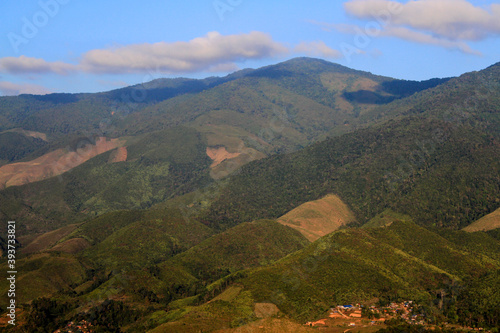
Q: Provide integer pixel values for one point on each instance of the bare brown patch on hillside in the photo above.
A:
(119, 155)
(225, 163)
(53, 163)
(344, 104)
(488, 222)
(315, 219)
(47, 240)
(219, 154)
(227, 148)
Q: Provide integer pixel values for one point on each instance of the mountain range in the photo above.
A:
(183, 205)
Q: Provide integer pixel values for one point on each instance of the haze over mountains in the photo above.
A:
(161, 197)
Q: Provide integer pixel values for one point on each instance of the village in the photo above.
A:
(82, 326)
(360, 316)
(370, 318)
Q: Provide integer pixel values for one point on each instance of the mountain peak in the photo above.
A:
(315, 64)
(304, 66)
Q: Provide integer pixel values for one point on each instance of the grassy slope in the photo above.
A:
(399, 261)
(318, 218)
(45, 274)
(488, 222)
(47, 240)
(435, 249)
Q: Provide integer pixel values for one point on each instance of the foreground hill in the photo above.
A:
(247, 245)
(387, 264)
(400, 261)
(266, 270)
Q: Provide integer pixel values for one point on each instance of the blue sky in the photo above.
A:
(90, 46)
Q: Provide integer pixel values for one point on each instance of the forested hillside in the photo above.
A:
(438, 163)
(245, 116)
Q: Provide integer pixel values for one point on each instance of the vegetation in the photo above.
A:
(436, 164)
(45, 314)
(247, 245)
(159, 166)
(15, 146)
(354, 265)
(161, 241)
(479, 303)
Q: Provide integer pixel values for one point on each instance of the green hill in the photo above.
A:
(172, 128)
(45, 274)
(437, 164)
(153, 238)
(262, 262)
(399, 262)
(247, 245)
(77, 114)
(356, 265)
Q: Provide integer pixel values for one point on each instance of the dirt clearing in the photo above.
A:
(315, 219)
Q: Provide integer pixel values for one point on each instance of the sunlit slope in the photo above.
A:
(488, 222)
(54, 163)
(318, 218)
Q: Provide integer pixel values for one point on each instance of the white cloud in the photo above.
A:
(200, 54)
(450, 19)
(419, 37)
(402, 33)
(28, 65)
(317, 48)
(443, 23)
(12, 89)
